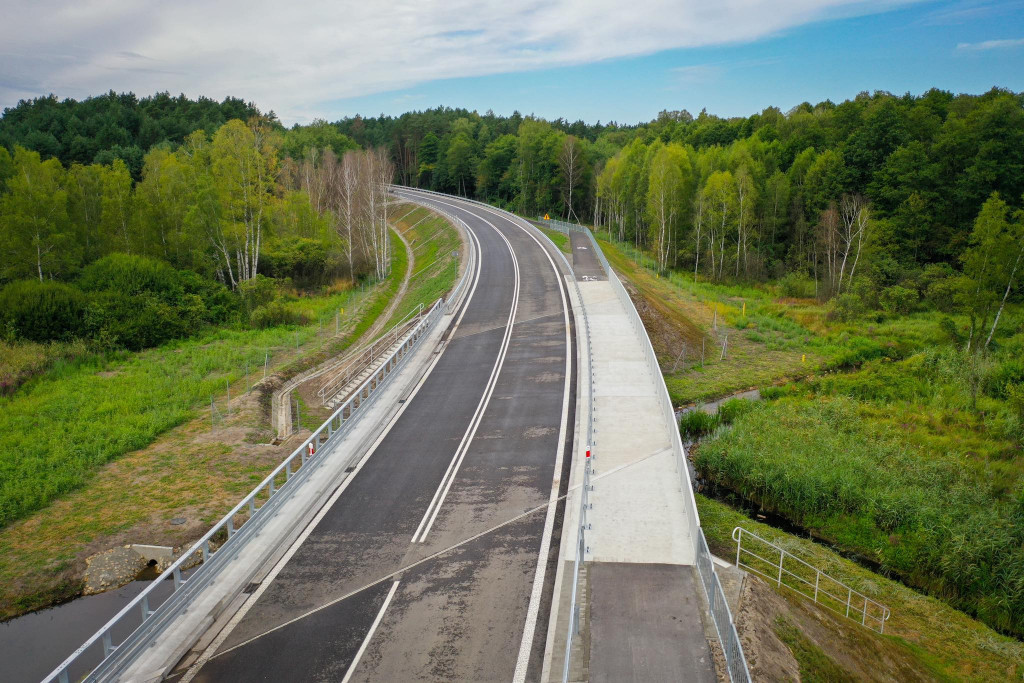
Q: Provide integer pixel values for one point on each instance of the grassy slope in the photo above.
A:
(766, 345)
(110, 407)
(435, 244)
(923, 632)
(769, 339)
(560, 239)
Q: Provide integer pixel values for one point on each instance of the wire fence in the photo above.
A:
(774, 563)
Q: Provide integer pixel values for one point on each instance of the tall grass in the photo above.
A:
(86, 410)
(925, 510)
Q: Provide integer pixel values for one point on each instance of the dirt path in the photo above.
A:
(281, 403)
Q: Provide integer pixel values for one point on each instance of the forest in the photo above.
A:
(197, 234)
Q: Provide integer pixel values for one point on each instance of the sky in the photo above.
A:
(604, 60)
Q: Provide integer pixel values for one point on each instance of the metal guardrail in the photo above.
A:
(735, 659)
(729, 639)
(825, 590)
(357, 362)
(582, 526)
(259, 503)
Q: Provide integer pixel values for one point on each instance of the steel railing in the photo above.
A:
(807, 580)
(148, 619)
(735, 659)
(357, 362)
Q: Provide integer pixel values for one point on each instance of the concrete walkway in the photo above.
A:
(638, 514)
(640, 601)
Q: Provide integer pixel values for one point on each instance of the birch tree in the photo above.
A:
(35, 237)
(570, 162)
(244, 166)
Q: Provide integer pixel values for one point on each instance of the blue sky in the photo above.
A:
(590, 59)
(907, 49)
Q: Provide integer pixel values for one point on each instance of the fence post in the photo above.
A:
(849, 595)
(817, 578)
(227, 386)
(782, 557)
(266, 362)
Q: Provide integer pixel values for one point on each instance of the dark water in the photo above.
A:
(33, 645)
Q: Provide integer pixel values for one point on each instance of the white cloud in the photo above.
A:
(991, 45)
(293, 56)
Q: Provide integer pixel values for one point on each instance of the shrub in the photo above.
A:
(897, 300)
(42, 311)
(133, 275)
(307, 262)
(257, 292)
(942, 294)
(796, 285)
(999, 377)
(276, 313)
(845, 307)
(134, 322)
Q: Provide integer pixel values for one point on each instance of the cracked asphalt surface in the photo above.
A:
(460, 615)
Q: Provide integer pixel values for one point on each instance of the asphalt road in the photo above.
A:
(426, 566)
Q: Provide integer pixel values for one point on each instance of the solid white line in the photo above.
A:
(444, 486)
(533, 609)
(434, 555)
(369, 636)
(490, 391)
(211, 650)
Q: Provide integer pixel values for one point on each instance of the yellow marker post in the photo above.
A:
(744, 309)
(803, 358)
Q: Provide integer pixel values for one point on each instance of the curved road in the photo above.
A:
(435, 560)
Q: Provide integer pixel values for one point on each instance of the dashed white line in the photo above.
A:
(369, 635)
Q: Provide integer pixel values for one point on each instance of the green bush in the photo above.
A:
(845, 307)
(42, 311)
(131, 276)
(276, 313)
(1009, 371)
(137, 322)
(897, 300)
(257, 292)
(309, 263)
(797, 286)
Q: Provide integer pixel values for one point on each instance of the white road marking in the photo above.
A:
(430, 515)
(211, 650)
(435, 555)
(369, 636)
(533, 609)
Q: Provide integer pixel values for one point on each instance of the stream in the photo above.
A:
(33, 645)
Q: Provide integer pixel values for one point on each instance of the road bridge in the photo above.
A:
(440, 552)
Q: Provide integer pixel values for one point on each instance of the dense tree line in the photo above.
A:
(212, 214)
(876, 199)
(811, 190)
(113, 126)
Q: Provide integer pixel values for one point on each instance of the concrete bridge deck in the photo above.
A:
(641, 603)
